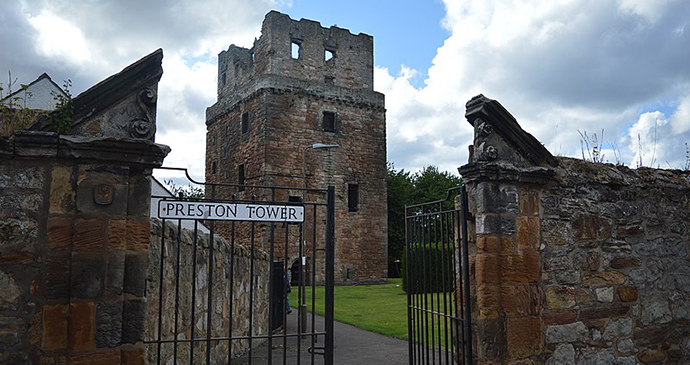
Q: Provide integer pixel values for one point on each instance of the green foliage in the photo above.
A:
(14, 114)
(185, 192)
(405, 188)
(376, 308)
(432, 267)
(62, 117)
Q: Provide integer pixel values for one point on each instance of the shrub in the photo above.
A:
(432, 268)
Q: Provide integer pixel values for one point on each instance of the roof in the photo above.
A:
(42, 77)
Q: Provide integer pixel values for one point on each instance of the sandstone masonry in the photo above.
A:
(298, 85)
(573, 262)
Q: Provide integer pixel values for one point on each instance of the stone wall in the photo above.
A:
(573, 262)
(230, 294)
(74, 228)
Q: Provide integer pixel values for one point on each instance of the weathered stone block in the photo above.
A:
(524, 337)
(138, 200)
(567, 277)
(587, 260)
(528, 235)
(590, 227)
(520, 267)
(561, 317)
(560, 297)
(604, 278)
(82, 326)
(9, 292)
(54, 327)
(21, 177)
(487, 300)
(89, 235)
(117, 234)
(133, 321)
(626, 346)
(134, 357)
(624, 262)
(494, 244)
(556, 233)
(100, 358)
(655, 310)
(495, 224)
(651, 356)
(60, 233)
(566, 333)
(18, 203)
(529, 202)
(108, 324)
(490, 340)
(102, 189)
(486, 268)
(61, 191)
(520, 300)
(604, 312)
(604, 294)
(116, 273)
(138, 234)
(57, 277)
(88, 276)
(627, 293)
(564, 354)
(495, 198)
(598, 357)
(136, 265)
(618, 328)
(18, 233)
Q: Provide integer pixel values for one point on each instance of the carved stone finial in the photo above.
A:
(485, 129)
(141, 128)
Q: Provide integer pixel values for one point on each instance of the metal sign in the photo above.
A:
(178, 209)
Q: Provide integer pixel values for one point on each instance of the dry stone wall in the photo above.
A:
(229, 282)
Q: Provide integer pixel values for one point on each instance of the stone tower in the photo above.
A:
(302, 84)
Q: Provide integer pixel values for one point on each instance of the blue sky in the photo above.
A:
(561, 67)
(406, 31)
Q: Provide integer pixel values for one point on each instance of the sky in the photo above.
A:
(617, 71)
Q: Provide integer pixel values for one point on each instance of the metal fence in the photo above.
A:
(217, 284)
(437, 282)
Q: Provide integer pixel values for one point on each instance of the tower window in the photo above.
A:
(223, 79)
(296, 47)
(240, 176)
(353, 197)
(328, 122)
(214, 167)
(245, 122)
(328, 55)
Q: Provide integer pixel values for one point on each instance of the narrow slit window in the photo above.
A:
(223, 78)
(353, 197)
(295, 50)
(214, 167)
(240, 176)
(328, 122)
(328, 55)
(245, 122)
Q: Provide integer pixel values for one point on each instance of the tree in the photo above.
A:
(406, 189)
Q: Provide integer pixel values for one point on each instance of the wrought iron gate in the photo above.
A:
(216, 286)
(437, 282)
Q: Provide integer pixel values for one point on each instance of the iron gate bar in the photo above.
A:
(209, 337)
(271, 279)
(439, 326)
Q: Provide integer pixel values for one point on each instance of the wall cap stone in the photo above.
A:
(504, 171)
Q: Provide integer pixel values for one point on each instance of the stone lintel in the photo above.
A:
(105, 150)
(501, 171)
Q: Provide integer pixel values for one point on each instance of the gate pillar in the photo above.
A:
(507, 169)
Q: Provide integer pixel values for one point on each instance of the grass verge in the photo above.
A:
(376, 308)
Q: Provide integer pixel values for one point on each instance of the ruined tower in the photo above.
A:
(302, 84)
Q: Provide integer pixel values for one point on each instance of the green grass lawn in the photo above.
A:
(376, 308)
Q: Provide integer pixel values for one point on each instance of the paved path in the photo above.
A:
(353, 346)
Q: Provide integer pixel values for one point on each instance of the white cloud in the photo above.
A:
(558, 67)
(60, 39)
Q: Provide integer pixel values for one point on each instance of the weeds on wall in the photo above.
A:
(184, 192)
(62, 117)
(14, 113)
